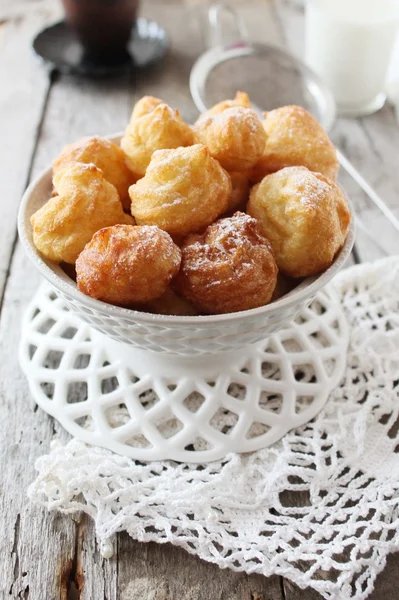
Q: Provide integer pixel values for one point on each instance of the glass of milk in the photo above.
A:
(349, 44)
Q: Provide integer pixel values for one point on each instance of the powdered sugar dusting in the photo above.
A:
(309, 187)
(235, 242)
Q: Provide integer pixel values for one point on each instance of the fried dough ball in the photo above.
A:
(85, 203)
(229, 268)
(304, 215)
(144, 106)
(106, 155)
(127, 265)
(241, 99)
(295, 138)
(235, 137)
(171, 303)
(240, 191)
(159, 129)
(183, 191)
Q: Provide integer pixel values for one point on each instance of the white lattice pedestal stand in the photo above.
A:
(153, 407)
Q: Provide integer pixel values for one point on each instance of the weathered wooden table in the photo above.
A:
(46, 556)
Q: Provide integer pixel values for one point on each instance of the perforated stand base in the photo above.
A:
(154, 407)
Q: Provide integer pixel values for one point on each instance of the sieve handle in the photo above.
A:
(215, 15)
(369, 191)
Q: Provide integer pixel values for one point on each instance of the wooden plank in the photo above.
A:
(77, 108)
(169, 80)
(23, 90)
(95, 578)
(386, 585)
(36, 548)
(26, 530)
(161, 572)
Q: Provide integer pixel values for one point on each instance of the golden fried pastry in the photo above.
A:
(183, 191)
(106, 155)
(241, 99)
(161, 128)
(304, 215)
(229, 268)
(144, 106)
(295, 138)
(171, 303)
(240, 191)
(127, 265)
(235, 137)
(85, 203)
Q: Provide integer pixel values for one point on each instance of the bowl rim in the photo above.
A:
(307, 287)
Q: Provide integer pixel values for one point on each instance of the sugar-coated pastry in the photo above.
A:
(127, 265)
(106, 155)
(229, 268)
(171, 303)
(144, 106)
(159, 129)
(240, 191)
(183, 191)
(241, 99)
(85, 202)
(235, 137)
(295, 138)
(304, 215)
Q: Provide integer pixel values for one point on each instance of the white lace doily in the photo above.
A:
(322, 502)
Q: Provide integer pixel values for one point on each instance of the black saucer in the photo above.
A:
(58, 46)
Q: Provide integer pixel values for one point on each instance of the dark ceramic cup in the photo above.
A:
(103, 27)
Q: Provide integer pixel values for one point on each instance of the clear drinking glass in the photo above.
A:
(348, 43)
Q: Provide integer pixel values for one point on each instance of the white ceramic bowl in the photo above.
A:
(185, 336)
